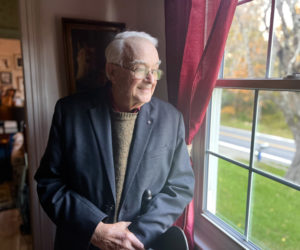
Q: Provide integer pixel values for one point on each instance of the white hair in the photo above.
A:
(115, 50)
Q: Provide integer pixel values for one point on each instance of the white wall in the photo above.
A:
(45, 75)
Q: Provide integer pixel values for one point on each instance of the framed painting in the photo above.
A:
(18, 61)
(20, 83)
(84, 44)
(6, 77)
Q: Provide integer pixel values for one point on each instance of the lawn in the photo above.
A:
(275, 209)
(278, 128)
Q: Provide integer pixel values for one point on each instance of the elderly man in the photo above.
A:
(116, 172)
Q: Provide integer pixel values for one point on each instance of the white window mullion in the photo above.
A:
(212, 181)
(252, 155)
(270, 41)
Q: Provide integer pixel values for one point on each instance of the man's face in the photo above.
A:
(126, 88)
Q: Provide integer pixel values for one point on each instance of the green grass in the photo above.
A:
(232, 121)
(278, 170)
(232, 195)
(275, 210)
(266, 125)
(274, 124)
(237, 112)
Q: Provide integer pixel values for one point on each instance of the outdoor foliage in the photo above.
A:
(246, 57)
(237, 111)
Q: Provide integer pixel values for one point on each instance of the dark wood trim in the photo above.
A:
(263, 84)
(243, 1)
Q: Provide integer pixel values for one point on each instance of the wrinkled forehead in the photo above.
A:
(140, 50)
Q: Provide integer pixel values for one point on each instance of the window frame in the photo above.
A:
(208, 227)
(210, 232)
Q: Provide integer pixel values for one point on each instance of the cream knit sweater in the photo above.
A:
(122, 130)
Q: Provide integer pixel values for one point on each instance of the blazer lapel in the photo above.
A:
(101, 122)
(142, 131)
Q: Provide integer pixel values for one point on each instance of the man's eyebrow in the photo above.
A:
(138, 62)
(142, 62)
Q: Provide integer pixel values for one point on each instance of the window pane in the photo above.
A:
(247, 43)
(275, 215)
(231, 123)
(227, 192)
(286, 45)
(278, 126)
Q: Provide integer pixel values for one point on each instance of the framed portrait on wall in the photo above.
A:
(20, 83)
(18, 61)
(6, 77)
(84, 44)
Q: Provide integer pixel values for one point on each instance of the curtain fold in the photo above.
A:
(176, 22)
(196, 33)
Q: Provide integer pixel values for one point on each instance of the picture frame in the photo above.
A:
(84, 46)
(18, 60)
(5, 63)
(5, 77)
(20, 83)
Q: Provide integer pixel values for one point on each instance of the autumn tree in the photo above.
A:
(287, 47)
(246, 55)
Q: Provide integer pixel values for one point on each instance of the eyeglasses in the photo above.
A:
(142, 72)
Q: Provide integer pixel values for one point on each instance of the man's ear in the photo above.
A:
(110, 71)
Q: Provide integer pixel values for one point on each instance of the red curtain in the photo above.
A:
(196, 32)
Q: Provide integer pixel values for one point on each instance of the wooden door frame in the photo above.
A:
(37, 130)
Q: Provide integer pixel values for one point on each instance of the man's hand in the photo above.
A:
(115, 236)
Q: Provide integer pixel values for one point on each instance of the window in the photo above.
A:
(252, 149)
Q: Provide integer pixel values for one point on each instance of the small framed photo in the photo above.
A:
(5, 63)
(84, 43)
(18, 61)
(6, 77)
(20, 83)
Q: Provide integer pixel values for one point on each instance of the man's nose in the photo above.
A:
(149, 77)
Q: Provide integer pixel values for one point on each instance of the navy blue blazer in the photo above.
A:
(76, 180)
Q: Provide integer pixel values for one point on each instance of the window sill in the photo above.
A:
(210, 236)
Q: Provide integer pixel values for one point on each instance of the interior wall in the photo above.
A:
(45, 75)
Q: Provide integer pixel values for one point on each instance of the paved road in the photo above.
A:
(279, 149)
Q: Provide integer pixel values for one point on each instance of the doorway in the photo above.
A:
(15, 230)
